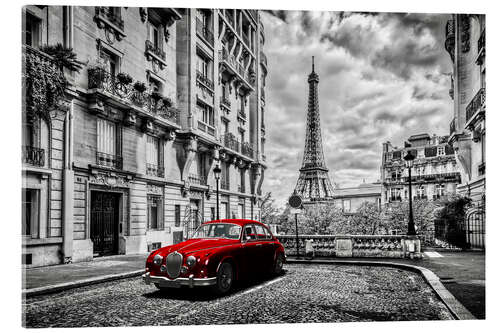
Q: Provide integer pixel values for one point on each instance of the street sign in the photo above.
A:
(295, 201)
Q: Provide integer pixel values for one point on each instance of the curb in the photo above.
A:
(456, 308)
(79, 283)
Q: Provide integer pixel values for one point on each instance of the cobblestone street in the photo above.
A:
(304, 294)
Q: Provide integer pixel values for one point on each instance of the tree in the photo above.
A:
(395, 216)
(366, 220)
(63, 56)
(450, 221)
(268, 211)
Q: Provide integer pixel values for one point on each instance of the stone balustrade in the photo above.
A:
(367, 246)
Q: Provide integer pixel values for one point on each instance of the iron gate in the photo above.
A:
(476, 227)
(104, 223)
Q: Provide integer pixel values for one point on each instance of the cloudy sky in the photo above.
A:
(382, 76)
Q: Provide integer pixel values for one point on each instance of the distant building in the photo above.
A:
(434, 173)
(349, 199)
(466, 44)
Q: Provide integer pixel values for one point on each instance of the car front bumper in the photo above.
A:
(191, 282)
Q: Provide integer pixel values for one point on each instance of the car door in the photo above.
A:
(250, 250)
(265, 247)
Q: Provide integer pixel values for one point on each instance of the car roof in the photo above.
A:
(240, 222)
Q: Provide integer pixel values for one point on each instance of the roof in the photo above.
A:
(419, 137)
(240, 222)
(363, 190)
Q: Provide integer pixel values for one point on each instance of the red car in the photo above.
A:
(219, 253)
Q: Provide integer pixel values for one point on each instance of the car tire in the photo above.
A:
(225, 278)
(278, 264)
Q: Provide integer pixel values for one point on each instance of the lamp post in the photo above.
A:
(409, 157)
(217, 172)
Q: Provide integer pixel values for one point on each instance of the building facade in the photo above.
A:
(466, 44)
(163, 97)
(434, 173)
(349, 199)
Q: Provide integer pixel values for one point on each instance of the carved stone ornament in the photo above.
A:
(170, 136)
(154, 189)
(185, 189)
(143, 11)
(108, 180)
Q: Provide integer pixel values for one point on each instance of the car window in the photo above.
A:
(249, 233)
(268, 233)
(259, 230)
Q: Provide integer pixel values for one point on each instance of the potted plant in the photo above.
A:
(124, 78)
(156, 96)
(63, 56)
(167, 102)
(140, 87)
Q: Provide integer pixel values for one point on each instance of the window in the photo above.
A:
(177, 210)
(420, 170)
(154, 212)
(395, 194)
(346, 206)
(207, 114)
(202, 167)
(154, 35)
(421, 192)
(30, 212)
(242, 181)
(32, 33)
(203, 66)
(260, 231)
(249, 232)
(396, 174)
(224, 210)
(440, 191)
(224, 176)
(241, 208)
(154, 163)
(225, 126)
(107, 144)
(440, 150)
(111, 62)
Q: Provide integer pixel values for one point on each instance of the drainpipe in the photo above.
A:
(68, 173)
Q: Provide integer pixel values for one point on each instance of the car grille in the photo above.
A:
(174, 262)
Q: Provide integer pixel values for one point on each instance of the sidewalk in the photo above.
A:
(41, 280)
(462, 273)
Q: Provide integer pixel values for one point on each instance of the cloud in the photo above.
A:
(383, 76)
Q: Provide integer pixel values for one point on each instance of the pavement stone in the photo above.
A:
(334, 293)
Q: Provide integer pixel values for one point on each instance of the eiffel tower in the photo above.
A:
(313, 185)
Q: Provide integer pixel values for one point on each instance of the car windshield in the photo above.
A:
(218, 230)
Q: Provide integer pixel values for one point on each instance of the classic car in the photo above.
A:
(219, 253)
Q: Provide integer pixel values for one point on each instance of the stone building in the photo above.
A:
(466, 44)
(434, 174)
(349, 199)
(163, 97)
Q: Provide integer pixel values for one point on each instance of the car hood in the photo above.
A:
(193, 245)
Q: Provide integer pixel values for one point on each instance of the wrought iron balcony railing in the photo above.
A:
(109, 160)
(150, 47)
(148, 102)
(230, 141)
(476, 104)
(247, 150)
(204, 80)
(203, 31)
(33, 155)
(196, 179)
(155, 170)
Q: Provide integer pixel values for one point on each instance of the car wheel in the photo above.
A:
(278, 264)
(224, 280)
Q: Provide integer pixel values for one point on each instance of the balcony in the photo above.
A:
(476, 106)
(33, 156)
(206, 128)
(449, 43)
(203, 31)
(204, 80)
(235, 69)
(247, 150)
(107, 18)
(481, 48)
(224, 184)
(154, 170)
(196, 179)
(225, 102)
(126, 96)
(229, 141)
(109, 160)
(155, 53)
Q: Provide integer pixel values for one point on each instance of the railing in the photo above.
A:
(150, 47)
(224, 184)
(154, 170)
(204, 32)
(247, 150)
(33, 155)
(205, 80)
(229, 141)
(235, 66)
(196, 179)
(395, 198)
(452, 126)
(109, 160)
(98, 78)
(225, 102)
(390, 246)
(476, 104)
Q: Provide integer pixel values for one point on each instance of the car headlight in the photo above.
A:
(190, 261)
(158, 259)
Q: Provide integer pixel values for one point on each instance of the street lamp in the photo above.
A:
(217, 172)
(409, 157)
